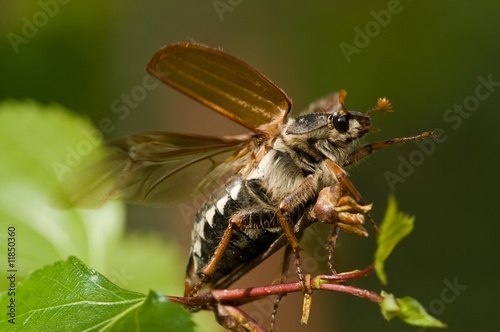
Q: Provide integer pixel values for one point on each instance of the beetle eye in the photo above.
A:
(341, 123)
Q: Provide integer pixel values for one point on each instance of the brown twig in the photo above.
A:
(321, 282)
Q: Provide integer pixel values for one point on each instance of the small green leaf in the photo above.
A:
(408, 310)
(389, 306)
(69, 296)
(395, 226)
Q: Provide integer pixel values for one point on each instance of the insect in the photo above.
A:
(283, 175)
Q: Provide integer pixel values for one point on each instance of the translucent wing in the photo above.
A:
(223, 83)
(153, 168)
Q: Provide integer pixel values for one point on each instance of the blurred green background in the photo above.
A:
(433, 59)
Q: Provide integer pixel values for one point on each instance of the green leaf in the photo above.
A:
(40, 145)
(69, 296)
(395, 226)
(408, 310)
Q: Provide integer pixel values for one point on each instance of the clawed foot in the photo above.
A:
(344, 211)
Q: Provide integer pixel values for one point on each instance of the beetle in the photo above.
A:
(279, 178)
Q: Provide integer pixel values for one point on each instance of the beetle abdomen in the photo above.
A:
(236, 196)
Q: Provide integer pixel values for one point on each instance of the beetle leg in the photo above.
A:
(347, 185)
(344, 212)
(342, 206)
(284, 273)
(298, 198)
(332, 242)
(365, 150)
(235, 319)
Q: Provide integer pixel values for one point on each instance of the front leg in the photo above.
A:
(342, 206)
(365, 150)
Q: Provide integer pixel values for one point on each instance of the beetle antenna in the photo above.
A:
(383, 105)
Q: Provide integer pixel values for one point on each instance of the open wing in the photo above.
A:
(153, 168)
(223, 83)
